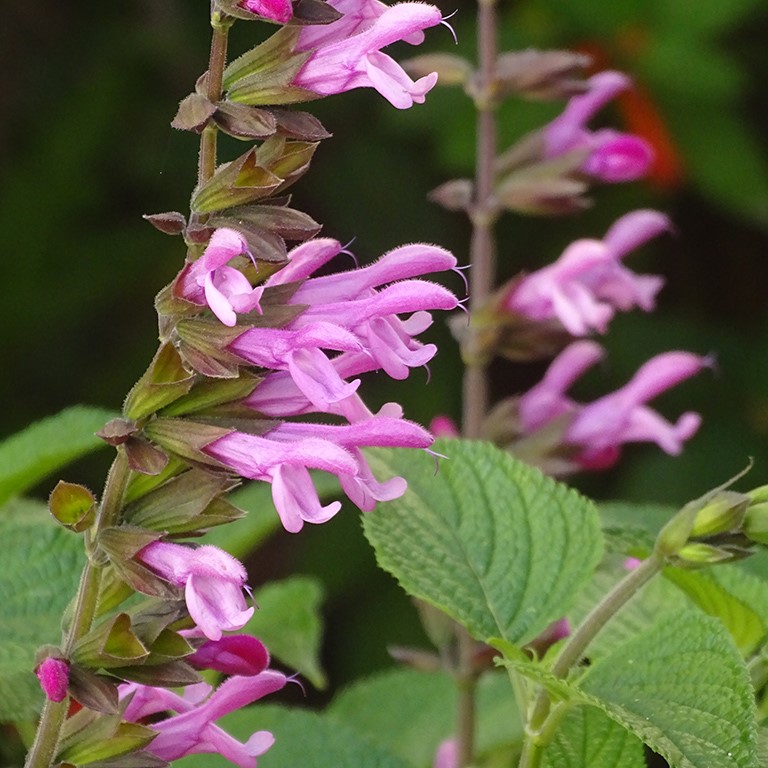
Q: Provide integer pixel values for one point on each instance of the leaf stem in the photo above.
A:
(483, 213)
(466, 684)
(537, 730)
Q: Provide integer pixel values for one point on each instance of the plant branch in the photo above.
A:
(483, 212)
(577, 643)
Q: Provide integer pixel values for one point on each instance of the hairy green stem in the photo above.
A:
(538, 728)
(217, 61)
(45, 745)
(466, 684)
(483, 214)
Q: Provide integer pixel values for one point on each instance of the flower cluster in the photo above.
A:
(588, 283)
(342, 325)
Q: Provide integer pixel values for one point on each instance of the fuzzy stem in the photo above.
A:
(483, 213)
(466, 684)
(217, 62)
(46, 742)
(573, 651)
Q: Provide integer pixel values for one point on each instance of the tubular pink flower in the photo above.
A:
(599, 429)
(276, 10)
(588, 283)
(192, 730)
(349, 56)
(231, 655)
(547, 400)
(213, 581)
(53, 675)
(224, 289)
(623, 417)
(443, 426)
(613, 156)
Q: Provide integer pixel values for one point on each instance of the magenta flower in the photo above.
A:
(588, 283)
(276, 10)
(447, 755)
(599, 429)
(443, 426)
(623, 416)
(53, 675)
(213, 583)
(231, 655)
(211, 281)
(347, 53)
(284, 454)
(613, 156)
(192, 730)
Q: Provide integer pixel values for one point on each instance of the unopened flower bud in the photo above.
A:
(758, 495)
(53, 675)
(725, 512)
(756, 522)
(699, 554)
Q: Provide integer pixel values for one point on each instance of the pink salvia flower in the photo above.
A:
(348, 54)
(443, 426)
(276, 10)
(53, 675)
(192, 730)
(547, 400)
(210, 281)
(213, 583)
(231, 655)
(613, 156)
(588, 283)
(599, 429)
(623, 416)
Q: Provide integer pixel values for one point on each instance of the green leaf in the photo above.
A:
(302, 738)
(737, 598)
(41, 568)
(48, 445)
(683, 689)
(588, 738)
(289, 623)
(409, 713)
(489, 540)
(640, 613)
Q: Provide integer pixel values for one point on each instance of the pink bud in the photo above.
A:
(53, 675)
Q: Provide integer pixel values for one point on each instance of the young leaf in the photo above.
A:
(48, 445)
(41, 566)
(289, 623)
(489, 540)
(588, 737)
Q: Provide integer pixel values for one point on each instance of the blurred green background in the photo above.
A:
(85, 149)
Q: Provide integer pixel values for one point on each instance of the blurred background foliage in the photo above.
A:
(85, 149)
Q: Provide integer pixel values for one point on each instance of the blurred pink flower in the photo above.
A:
(588, 283)
(613, 156)
(276, 10)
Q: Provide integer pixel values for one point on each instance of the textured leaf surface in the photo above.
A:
(302, 738)
(489, 540)
(41, 565)
(736, 597)
(410, 713)
(588, 738)
(289, 623)
(683, 689)
(45, 446)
